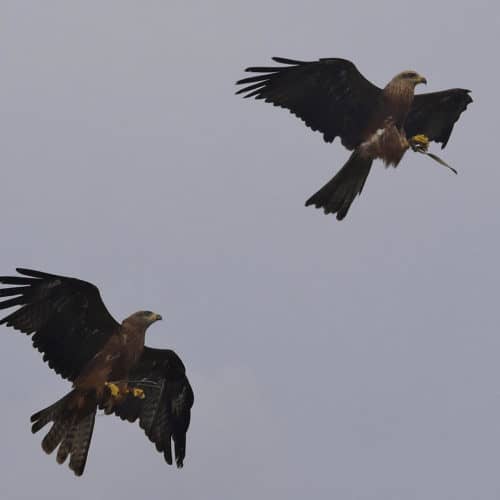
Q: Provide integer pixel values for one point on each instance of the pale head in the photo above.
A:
(143, 319)
(409, 76)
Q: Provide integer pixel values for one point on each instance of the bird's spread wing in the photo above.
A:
(66, 316)
(435, 114)
(165, 411)
(330, 95)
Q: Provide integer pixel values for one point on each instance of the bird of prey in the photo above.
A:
(334, 98)
(106, 361)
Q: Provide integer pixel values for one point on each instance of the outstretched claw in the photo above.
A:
(113, 389)
(118, 391)
(419, 142)
(137, 393)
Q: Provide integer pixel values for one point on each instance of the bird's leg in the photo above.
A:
(419, 142)
(119, 390)
(136, 392)
(113, 388)
(112, 396)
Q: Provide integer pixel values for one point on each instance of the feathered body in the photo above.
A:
(385, 137)
(114, 361)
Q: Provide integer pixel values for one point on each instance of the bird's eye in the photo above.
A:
(410, 74)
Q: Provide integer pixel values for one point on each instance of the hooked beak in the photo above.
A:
(157, 317)
(422, 79)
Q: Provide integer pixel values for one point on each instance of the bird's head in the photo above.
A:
(411, 77)
(143, 319)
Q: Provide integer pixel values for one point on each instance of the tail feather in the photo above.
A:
(71, 430)
(66, 443)
(337, 195)
(56, 434)
(81, 444)
(41, 418)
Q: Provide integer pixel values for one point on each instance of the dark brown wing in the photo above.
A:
(330, 95)
(66, 316)
(165, 412)
(435, 114)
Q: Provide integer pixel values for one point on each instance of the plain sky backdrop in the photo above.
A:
(354, 360)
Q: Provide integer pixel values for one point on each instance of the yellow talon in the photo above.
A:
(113, 389)
(421, 138)
(420, 141)
(138, 393)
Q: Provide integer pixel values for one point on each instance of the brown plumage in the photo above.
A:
(333, 97)
(107, 362)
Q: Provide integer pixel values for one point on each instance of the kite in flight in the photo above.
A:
(333, 97)
(106, 361)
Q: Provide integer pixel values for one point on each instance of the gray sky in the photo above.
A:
(353, 360)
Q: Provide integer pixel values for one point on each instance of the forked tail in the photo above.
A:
(337, 195)
(73, 423)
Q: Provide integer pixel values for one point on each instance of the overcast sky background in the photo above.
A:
(353, 360)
